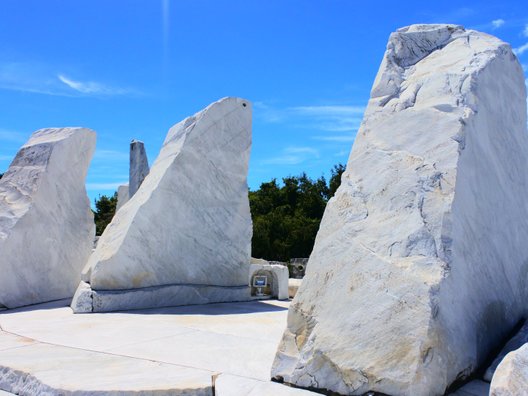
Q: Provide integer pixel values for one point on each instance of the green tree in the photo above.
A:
(105, 208)
(286, 218)
(1, 174)
(335, 178)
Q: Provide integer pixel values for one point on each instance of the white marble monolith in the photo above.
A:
(46, 225)
(185, 236)
(122, 196)
(420, 264)
(139, 167)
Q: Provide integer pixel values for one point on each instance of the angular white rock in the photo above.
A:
(122, 196)
(293, 286)
(139, 168)
(188, 228)
(420, 264)
(511, 376)
(516, 342)
(46, 225)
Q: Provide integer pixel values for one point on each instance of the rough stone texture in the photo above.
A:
(293, 286)
(87, 300)
(139, 168)
(511, 376)
(420, 264)
(188, 226)
(46, 225)
(122, 196)
(277, 276)
(298, 267)
(516, 342)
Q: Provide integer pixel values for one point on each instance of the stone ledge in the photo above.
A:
(88, 300)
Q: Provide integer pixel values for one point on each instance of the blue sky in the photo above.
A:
(131, 69)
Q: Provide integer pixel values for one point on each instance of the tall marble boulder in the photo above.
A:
(420, 264)
(139, 168)
(122, 196)
(185, 236)
(511, 376)
(46, 225)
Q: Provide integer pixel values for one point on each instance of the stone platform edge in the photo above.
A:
(87, 300)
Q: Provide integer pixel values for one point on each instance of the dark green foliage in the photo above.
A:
(335, 178)
(105, 208)
(1, 174)
(286, 217)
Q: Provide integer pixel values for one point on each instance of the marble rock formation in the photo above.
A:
(46, 225)
(420, 264)
(122, 196)
(185, 236)
(511, 376)
(139, 168)
(516, 342)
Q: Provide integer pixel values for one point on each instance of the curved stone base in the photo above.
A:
(87, 300)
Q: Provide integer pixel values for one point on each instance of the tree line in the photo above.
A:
(286, 216)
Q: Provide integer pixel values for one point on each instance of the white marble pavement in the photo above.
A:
(177, 351)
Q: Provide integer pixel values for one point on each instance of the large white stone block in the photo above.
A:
(516, 342)
(511, 376)
(420, 264)
(122, 196)
(187, 230)
(46, 225)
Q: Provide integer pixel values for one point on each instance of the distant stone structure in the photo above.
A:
(138, 170)
(419, 267)
(298, 267)
(185, 236)
(122, 196)
(46, 225)
(139, 167)
(276, 281)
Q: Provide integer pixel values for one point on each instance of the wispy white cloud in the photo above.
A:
(497, 23)
(525, 31)
(6, 157)
(521, 50)
(91, 87)
(293, 156)
(268, 113)
(35, 77)
(336, 118)
(331, 118)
